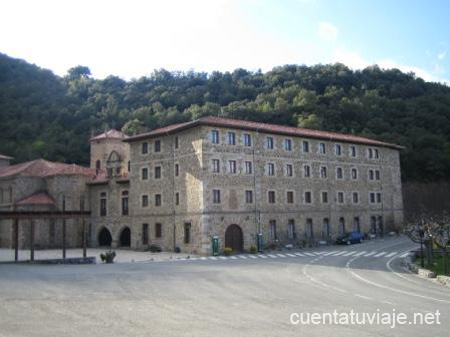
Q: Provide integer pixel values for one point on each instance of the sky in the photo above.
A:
(132, 38)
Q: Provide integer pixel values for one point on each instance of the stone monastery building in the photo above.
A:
(178, 186)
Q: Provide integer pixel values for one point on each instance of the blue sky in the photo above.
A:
(132, 38)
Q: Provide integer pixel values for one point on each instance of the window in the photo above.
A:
(340, 197)
(177, 170)
(306, 171)
(372, 197)
(157, 146)
(337, 149)
(177, 198)
(376, 154)
(290, 197)
(289, 171)
(341, 226)
(231, 138)
(248, 167)
(273, 230)
(377, 175)
(98, 165)
(370, 153)
(125, 204)
(247, 139)
(355, 197)
(339, 173)
(323, 172)
(309, 229)
(187, 232)
(215, 137)
(216, 196)
(157, 172)
(270, 143)
(249, 197)
(373, 225)
(144, 201)
(287, 144)
(291, 229)
(325, 228)
(322, 148)
(308, 197)
(118, 170)
(144, 148)
(176, 142)
(271, 196)
(158, 230)
(216, 165)
(232, 166)
(379, 198)
(158, 200)
(354, 173)
(144, 173)
(145, 233)
(305, 146)
(356, 224)
(110, 172)
(103, 204)
(129, 166)
(270, 169)
(325, 197)
(352, 151)
(371, 175)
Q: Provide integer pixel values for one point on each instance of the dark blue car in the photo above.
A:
(349, 238)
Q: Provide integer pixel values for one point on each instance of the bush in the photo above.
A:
(154, 248)
(108, 256)
(253, 249)
(228, 250)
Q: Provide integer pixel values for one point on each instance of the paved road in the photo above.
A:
(222, 297)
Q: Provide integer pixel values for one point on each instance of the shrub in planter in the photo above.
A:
(228, 250)
(108, 256)
(154, 248)
(253, 249)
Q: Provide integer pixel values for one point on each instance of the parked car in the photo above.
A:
(349, 238)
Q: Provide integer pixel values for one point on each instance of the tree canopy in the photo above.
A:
(43, 115)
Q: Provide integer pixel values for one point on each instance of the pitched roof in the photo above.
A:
(110, 134)
(5, 157)
(262, 127)
(39, 198)
(44, 168)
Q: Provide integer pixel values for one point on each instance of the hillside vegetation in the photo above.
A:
(43, 115)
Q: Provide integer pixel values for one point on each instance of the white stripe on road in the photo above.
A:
(291, 255)
(309, 254)
(233, 257)
(203, 258)
(380, 254)
(350, 253)
(299, 254)
(223, 257)
(391, 254)
(192, 258)
(263, 256)
(252, 256)
(370, 254)
(212, 258)
(242, 256)
(330, 253)
(404, 255)
(272, 256)
(319, 253)
(281, 255)
(360, 253)
(340, 253)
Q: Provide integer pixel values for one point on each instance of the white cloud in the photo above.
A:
(328, 32)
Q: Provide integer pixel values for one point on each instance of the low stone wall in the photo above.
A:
(72, 260)
(445, 280)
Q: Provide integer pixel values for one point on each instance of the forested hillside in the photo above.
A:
(43, 115)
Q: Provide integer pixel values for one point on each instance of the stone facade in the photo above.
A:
(177, 187)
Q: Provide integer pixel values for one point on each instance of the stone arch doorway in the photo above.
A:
(104, 238)
(125, 237)
(234, 238)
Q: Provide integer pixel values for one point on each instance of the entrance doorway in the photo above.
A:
(234, 238)
(104, 238)
(125, 237)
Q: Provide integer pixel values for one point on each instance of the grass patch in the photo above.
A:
(438, 265)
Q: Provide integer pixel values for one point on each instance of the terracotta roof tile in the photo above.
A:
(263, 127)
(44, 168)
(110, 134)
(39, 198)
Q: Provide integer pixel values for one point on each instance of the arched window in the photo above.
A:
(125, 204)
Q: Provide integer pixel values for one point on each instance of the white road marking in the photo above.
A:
(340, 253)
(212, 258)
(242, 256)
(272, 256)
(404, 255)
(263, 256)
(330, 253)
(360, 253)
(350, 253)
(391, 254)
(233, 257)
(223, 257)
(370, 254)
(380, 254)
(299, 254)
(192, 258)
(252, 256)
(291, 255)
(309, 254)
(203, 258)
(281, 255)
(362, 296)
(319, 253)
